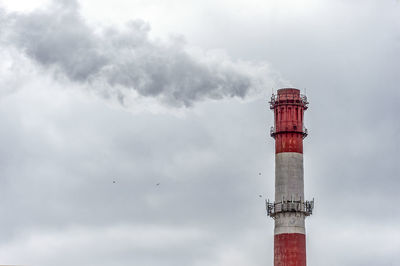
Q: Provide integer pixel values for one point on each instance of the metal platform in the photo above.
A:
(305, 207)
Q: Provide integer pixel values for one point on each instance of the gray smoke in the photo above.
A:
(117, 62)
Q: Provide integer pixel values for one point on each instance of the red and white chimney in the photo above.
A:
(289, 209)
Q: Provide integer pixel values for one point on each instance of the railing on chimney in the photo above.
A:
(305, 207)
(288, 98)
(272, 131)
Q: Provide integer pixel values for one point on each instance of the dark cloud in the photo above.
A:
(115, 61)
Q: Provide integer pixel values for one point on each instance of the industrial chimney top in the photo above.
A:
(289, 96)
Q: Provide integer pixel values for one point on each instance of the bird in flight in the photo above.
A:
(259, 173)
(260, 196)
(114, 182)
(157, 184)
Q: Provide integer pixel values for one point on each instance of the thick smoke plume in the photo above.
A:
(120, 61)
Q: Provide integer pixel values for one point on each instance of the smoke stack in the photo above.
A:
(289, 209)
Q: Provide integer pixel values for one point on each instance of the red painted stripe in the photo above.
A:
(289, 142)
(290, 250)
(288, 112)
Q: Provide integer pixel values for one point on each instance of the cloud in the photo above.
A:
(61, 150)
(114, 244)
(61, 154)
(124, 61)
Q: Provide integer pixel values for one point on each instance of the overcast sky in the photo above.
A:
(100, 101)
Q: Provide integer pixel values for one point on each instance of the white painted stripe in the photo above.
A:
(289, 181)
(289, 184)
(289, 223)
